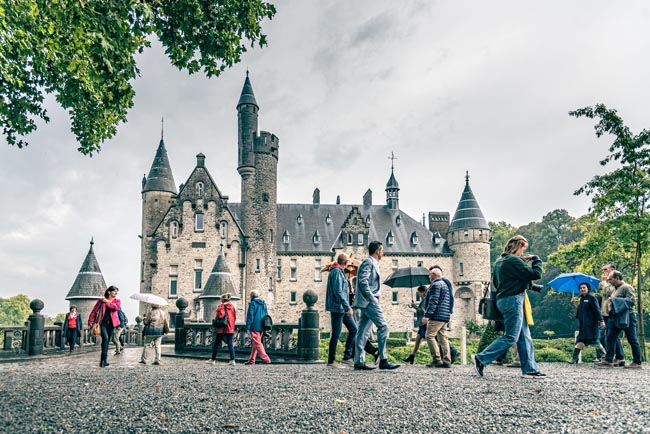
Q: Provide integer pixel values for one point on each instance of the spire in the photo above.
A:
(468, 215)
(90, 281)
(392, 186)
(247, 95)
(160, 175)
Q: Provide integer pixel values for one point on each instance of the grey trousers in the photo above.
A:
(371, 314)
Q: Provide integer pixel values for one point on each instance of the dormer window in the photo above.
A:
(299, 219)
(414, 238)
(398, 220)
(390, 239)
(199, 189)
(368, 218)
(316, 238)
(285, 237)
(174, 229)
(328, 219)
(360, 239)
(350, 239)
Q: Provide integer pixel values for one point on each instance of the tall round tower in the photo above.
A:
(258, 168)
(469, 238)
(158, 189)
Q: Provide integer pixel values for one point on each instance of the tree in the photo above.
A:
(83, 52)
(501, 233)
(14, 310)
(621, 198)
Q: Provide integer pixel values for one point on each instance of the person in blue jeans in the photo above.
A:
(512, 274)
(337, 303)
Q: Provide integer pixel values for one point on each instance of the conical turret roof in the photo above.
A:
(160, 176)
(392, 182)
(220, 280)
(90, 281)
(468, 215)
(247, 95)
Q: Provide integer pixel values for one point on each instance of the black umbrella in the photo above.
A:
(408, 277)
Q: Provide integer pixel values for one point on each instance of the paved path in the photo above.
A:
(70, 394)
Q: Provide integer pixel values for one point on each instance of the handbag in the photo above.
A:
(96, 329)
(267, 323)
(487, 307)
(220, 322)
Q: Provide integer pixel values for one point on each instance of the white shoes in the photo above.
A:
(211, 362)
(232, 363)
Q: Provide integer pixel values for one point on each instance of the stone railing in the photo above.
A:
(297, 341)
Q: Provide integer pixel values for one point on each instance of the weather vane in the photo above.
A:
(392, 159)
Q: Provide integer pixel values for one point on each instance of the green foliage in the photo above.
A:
(473, 328)
(501, 232)
(549, 333)
(550, 355)
(84, 53)
(15, 310)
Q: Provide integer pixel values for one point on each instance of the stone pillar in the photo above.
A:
(180, 334)
(36, 328)
(309, 331)
(138, 326)
(59, 338)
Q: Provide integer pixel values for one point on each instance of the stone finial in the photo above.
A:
(338, 199)
(200, 160)
(316, 196)
(36, 306)
(182, 304)
(310, 298)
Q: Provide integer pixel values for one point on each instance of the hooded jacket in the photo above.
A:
(256, 311)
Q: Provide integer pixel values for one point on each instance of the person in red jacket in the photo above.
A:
(225, 310)
(105, 314)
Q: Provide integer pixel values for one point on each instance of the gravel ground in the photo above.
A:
(70, 394)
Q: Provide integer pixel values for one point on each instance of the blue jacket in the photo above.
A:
(337, 296)
(79, 324)
(123, 320)
(437, 301)
(256, 311)
(620, 312)
(451, 294)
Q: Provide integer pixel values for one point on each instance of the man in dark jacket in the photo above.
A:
(436, 318)
(337, 303)
(512, 275)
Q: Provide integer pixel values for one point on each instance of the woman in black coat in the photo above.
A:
(589, 319)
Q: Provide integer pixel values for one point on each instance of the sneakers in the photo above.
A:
(211, 362)
(363, 367)
(618, 363)
(534, 375)
(335, 365)
(348, 362)
(156, 362)
(232, 363)
(634, 366)
(478, 365)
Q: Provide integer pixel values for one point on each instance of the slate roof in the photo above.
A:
(220, 280)
(160, 175)
(90, 281)
(468, 214)
(392, 182)
(382, 220)
(247, 95)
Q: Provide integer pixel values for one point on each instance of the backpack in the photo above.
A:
(267, 323)
(220, 322)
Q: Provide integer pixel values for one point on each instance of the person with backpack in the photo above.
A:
(118, 340)
(256, 312)
(224, 328)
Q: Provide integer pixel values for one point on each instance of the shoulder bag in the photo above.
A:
(487, 307)
(96, 329)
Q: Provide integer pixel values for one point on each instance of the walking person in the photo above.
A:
(367, 297)
(72, 327)
(453, 352)
(256, 312)
(512, 275)
(104, 313)
(337, 303)
(422, 328)
(225, 334)
(590, 319)
(118, 340)
(436, 317)
(155, 326)
(606, 290)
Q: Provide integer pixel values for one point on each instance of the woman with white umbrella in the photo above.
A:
(155, 326)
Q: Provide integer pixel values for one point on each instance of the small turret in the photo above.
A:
(160, 175)
(392, 188)
(89, 286)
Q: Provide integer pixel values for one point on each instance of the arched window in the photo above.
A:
(223, 230)
(199, 189)
(174, 229)
(328, 219)
(414, 238)
(285, 237)
(390, 239)
(299, 219)
(398, 220)
(316, 238)
(271, 236)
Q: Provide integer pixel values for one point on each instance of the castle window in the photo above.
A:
(328, 219)
(414, 238)
(294, 270)
(285, 237)
(350, 239)
(198, 274)
(257, 265)
(398, 220)
(199, 189)
(279, 276)
(299, 219)
(316, 238)
(265, 197)
(395, 264)
(173, 287)
(174, 229)
(390, 239)
(270, 284)
(198, 222)
(317, 272)
(420, 263)
(223, 230)
(270, 235)
(462, 271)
(395, 297)
(466, 233)
(360, 239)
(368, 219)
(292, 297)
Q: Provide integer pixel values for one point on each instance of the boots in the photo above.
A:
(410, 359)
(574, 358)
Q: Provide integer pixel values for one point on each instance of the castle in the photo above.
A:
(198, 245)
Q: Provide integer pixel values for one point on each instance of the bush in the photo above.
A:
(550, 355)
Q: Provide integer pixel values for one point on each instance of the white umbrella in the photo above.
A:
(149, 298)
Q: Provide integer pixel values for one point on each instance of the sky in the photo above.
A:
(449, 87)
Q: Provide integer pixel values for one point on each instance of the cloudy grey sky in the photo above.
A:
(448, 86)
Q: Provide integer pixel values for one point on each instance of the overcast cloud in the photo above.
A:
(448, 86)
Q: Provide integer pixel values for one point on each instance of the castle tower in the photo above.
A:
(392, 187)
(158, 189)
(219, 282)
(88, 287)
(258, 168)
(469, 238)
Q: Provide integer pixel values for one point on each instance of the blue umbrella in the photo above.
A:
(570, 282)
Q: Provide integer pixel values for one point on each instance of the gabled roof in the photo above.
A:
(90, 281)
(468, 214)
(160, 175)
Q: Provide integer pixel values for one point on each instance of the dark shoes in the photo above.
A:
(478, 366)
(386, 364)
(363, 367)
(455, 357)
(439, 365)
(410, 359)
(534, 375)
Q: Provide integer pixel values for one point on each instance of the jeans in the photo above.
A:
(618, 350)
(71, 336)
(257, 348)
(516, 331)
(630, 333)
(338, 319)
(152, 341)
(371, 314)
(107, 332)
(227, 338)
